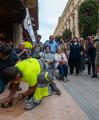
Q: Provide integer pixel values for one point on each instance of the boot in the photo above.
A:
(55, 88)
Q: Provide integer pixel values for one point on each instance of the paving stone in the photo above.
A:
(52, 108)
(85, 91)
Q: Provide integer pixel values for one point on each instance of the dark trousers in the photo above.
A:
(91, 64)
(82, 63)
(63, 70)
(74, 63)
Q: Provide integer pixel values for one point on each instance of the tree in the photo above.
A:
(58, 38)
(88, 18)
(67, 35)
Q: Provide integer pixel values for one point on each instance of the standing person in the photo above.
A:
(37, 47)
(33, 72)
(61, 63)
(53, 44)
(53, 48)
(97, 56)
(91, 51)
(74, 56)
(82, 60)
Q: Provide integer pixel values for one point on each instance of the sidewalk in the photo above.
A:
(52, 108)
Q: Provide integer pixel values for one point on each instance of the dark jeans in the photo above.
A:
(82, 63)
(1, 86)
(91, 64)
(74, 63)
(63, 70)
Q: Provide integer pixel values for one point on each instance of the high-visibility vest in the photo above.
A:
(41, 91)
(30, 69)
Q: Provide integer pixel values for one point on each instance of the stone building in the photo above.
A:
(69, 19)
(18, 17)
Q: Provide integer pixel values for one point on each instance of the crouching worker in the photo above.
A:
(33, 72)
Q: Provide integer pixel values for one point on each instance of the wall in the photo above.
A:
(69, 18)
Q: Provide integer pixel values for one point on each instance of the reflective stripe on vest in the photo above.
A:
(46, 76)
(40, 93)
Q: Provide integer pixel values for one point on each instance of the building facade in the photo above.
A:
(12, 15)
(69, 19)
(18, 17)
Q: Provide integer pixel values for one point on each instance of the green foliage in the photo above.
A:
(88, 18)
(58, 38)
(67, 35)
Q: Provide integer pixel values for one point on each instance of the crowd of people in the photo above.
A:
(36, 63)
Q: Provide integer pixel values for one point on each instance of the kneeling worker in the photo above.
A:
(33, 72)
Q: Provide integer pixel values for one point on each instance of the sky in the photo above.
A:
(49, 12)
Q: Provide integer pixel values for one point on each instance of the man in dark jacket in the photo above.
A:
(8, 57)
(75, 56)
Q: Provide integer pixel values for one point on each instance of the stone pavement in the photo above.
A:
(85, 91)
(52, 108)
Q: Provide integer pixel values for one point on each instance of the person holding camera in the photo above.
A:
(91, 51)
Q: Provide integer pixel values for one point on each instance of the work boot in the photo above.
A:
(29, 105)
(55, 89)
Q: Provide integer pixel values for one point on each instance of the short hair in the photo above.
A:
(47, 46)
(76, 38)
(10, 73)
(21, 43)
(39, 36)
(5, 50)
(51, 36)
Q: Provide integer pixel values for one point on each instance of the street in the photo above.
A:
(55, 107)
(40, 41)
(85, 91)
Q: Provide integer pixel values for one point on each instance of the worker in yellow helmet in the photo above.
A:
(33, 72)
(28, 44)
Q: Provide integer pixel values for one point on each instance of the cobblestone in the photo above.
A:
(85, 91)
(52, 108)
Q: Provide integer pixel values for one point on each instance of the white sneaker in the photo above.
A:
(65, 79)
